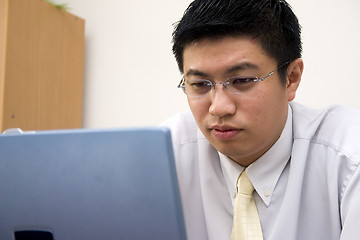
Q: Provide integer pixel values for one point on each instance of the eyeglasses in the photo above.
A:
(239, 84)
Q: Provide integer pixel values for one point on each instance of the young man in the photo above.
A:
(241, 62)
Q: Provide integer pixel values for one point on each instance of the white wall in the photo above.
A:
(331, 42)
(131, 74)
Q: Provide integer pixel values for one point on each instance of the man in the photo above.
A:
(241, 64)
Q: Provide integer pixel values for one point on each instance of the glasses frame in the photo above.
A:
(226, 83)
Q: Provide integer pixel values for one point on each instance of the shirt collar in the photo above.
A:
(265, 172)
(231, 171)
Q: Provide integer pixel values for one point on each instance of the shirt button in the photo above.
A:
(267, 193)
(234, 194)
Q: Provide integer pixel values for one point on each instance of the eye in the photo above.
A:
(241, 84)
(199, 83)
(242, 80)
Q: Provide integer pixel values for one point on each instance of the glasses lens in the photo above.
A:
(198, 87)
(240, 84)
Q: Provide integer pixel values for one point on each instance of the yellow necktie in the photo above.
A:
(246, 225)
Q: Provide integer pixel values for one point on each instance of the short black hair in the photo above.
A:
(272, 21)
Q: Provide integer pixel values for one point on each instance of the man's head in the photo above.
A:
(270, 21)
(232, 55)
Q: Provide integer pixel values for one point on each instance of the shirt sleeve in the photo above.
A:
(350, 208)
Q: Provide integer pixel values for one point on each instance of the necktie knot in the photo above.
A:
(244, 186)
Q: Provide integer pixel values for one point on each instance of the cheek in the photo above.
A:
(257, 104)
(270, 111)
(265, 107)
(273, 97)
(198, 107)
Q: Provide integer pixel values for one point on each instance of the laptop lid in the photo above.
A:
(89, 184)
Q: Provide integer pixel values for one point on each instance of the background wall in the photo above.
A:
(131, 74)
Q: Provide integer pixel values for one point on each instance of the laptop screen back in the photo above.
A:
(89, 184)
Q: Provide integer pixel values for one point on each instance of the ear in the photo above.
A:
(294, 73)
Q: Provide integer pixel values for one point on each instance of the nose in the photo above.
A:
(222, 103)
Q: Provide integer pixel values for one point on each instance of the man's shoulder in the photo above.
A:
(183, 128)
(334, 117)
(336, 126)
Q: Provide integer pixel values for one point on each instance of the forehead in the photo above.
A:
(223, 53)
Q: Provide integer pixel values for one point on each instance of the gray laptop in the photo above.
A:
(89, 185)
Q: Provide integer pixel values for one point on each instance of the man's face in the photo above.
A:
(241, 126)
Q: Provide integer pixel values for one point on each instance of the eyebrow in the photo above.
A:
(194, 72)
(242, 66)
(232, 69)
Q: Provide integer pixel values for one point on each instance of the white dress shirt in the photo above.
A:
(307, 184)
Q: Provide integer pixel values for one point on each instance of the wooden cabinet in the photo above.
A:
(41, 66)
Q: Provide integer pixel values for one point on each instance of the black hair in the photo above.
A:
(271, 21)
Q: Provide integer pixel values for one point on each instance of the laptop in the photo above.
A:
(89, 184)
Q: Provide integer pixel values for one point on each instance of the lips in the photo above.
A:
(224, 133)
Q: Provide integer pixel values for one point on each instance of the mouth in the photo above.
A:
(225, 133)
